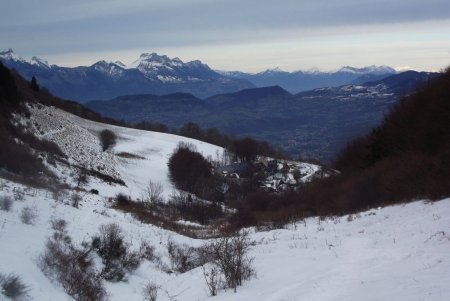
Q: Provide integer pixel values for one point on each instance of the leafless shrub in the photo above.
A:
(60, 232)
(230, 255)
(28, 215)
(147, 251)
(57, 194)
(58, 225)
(180, 256)
(19, 195)
(76, 199)
(123, 200)
(5, 203)
(150, 291)
(187, 206)
(213, 279)
(113, 250)
(73, 269)
(183, 257)
(12, 286)
(19, 159)
(107, 139)
(81, 177)
(3, 185)
(153, 194)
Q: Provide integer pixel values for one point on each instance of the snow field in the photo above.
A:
(78, 139)
(394, 253)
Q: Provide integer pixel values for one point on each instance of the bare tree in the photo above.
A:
(153, 194)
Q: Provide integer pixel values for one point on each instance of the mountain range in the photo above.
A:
(150, 73)
(299, 81)
(158, 74)
(373, 231)
(314, 123)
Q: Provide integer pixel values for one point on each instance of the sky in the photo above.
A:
(245, 35)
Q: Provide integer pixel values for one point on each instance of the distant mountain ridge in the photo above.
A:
(151, 73)
(158, 74)
(299, 81)
(314, 123)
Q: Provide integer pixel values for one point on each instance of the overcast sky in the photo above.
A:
(247, 35)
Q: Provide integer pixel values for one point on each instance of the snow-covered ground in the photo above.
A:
(393, 253)
(78, 139)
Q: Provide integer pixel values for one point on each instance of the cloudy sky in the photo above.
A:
(247, 35)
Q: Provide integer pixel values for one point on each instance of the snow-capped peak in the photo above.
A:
(39, 62)
(152, 60)
(403, 68)
(313, 70)
(273, 70)
(177, 59)
(152, 64)
(369, 69)
(108, 67)
(120, 64)
(197, 64)
(9, 55)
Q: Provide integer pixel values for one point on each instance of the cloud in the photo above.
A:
(83, 26)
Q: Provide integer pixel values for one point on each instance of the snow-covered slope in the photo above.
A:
(394, 253)
(78, 139)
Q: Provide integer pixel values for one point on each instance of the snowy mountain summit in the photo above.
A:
(9, 55)
(151, 73)
(375, 70)
(113, 69)
(153, 61)
(165, 69)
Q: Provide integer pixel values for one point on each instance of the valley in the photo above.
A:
(333, 258)
(160, 177)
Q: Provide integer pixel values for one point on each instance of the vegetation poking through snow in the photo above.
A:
(28, 215)
(12, 286)
(116, 257)
(6, 203)
(152, 196)
(71, 267)
(230, 256)
(150, 291)
(107, 139)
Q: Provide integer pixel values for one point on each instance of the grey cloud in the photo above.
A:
(63, 25)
